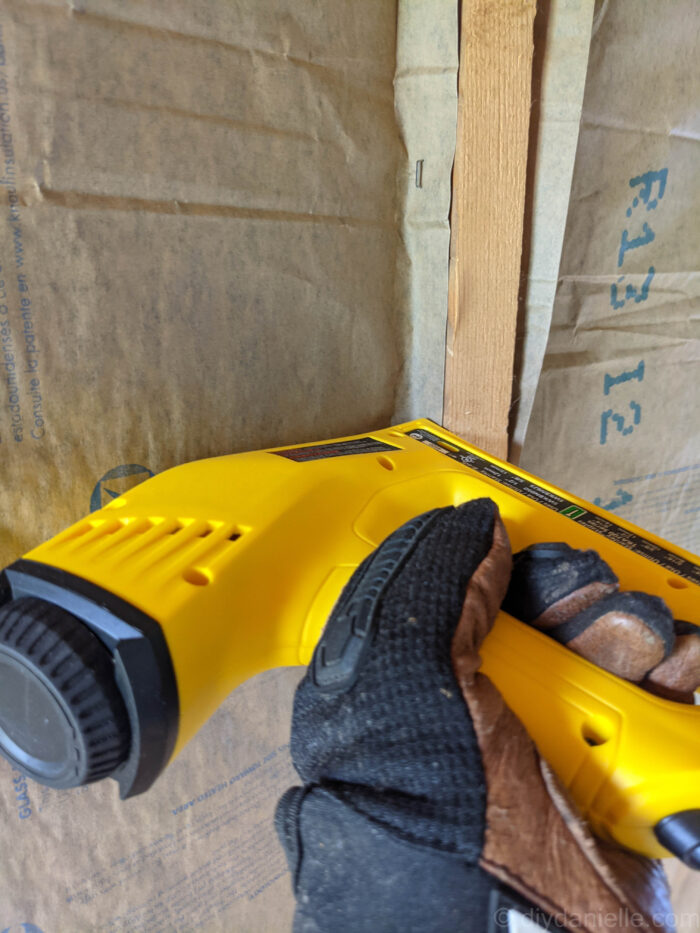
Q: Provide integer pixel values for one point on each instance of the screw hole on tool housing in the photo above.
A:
(386, 463)
(595, 735)
(196, 577)
(677, 583)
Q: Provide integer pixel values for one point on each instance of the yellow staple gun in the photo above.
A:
(123, 634)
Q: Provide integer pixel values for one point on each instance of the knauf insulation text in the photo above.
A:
(19, 368)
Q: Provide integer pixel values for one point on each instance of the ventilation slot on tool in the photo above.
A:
(202, 574)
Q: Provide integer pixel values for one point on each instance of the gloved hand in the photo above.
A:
(425, 806)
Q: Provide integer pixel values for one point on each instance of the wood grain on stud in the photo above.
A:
(487, 217)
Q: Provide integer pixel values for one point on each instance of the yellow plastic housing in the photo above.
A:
(241, 559)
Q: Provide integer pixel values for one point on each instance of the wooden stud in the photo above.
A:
(488, 198)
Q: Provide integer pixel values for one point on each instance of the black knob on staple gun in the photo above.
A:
(62, 718)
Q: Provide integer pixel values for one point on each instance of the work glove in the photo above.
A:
(575, 598)
(425, 805)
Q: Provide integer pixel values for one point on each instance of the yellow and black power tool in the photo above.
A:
(122, 635)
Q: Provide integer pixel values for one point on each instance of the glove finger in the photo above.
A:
(551, 582)
(678, 676)
(626, 633)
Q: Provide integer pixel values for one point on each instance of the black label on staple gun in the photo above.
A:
(360, 445)
(573, 510)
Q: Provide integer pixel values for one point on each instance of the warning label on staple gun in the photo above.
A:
(558, 503)
(359, 445)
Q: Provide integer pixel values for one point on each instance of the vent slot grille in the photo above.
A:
(170, 548)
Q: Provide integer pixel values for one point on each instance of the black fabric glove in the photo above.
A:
(387, 831)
